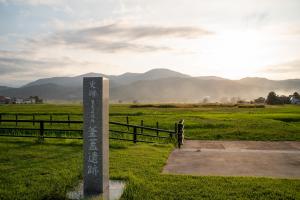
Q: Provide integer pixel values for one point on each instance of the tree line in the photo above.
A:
(274, 99)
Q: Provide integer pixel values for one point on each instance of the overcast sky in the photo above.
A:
(228, 38)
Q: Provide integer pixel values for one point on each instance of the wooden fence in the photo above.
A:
(66, 130)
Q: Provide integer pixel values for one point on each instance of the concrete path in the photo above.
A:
(236, 158)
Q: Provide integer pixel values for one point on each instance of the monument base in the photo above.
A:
(116, 189)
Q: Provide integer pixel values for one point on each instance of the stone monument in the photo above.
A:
(96, 137)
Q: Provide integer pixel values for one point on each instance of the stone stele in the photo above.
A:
(96, 137)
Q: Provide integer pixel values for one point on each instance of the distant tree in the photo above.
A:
(37, 99)
(135, 101)
(273, 99)
(296, 95)
(285, 99)
(260, 100)
(241, 101)
(235, 99)
(205, 100)
(120, 101)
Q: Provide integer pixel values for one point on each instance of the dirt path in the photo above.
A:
(236, 158)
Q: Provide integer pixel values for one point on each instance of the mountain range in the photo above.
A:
(157, 85)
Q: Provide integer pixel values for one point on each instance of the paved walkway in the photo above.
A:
(236, 158)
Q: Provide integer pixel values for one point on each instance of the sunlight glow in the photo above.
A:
(236, 53)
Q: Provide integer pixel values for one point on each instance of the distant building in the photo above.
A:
(36, 99)
(29, 101)
(294, 100)
(18, 100)
(5, 100)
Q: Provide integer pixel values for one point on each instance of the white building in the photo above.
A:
(29, 101)
(295, 100)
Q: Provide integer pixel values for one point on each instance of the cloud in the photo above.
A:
(293, 30)
(20, 67)
(140, 32)
(12, 63)
(101, 45)
(257, 19)
(289, 67)
(34, 2)
(119, 37)
(113, 47)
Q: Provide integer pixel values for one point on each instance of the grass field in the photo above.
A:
(202, 122)
(31, 170)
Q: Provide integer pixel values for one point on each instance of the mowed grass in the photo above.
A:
(208, 122)
(30, 170)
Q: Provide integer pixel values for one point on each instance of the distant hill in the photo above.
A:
(46, 91)
(62, 81)
(4, 88)
(123, 79)
(280, 86)
(173, 90)
(210, 78)
(184, 90)
(158, 85)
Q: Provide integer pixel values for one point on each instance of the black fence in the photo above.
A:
(44, 116)
(72, 129)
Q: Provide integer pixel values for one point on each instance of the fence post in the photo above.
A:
(134, 134)
(33, 119)
(180, 133)
(16, 119)
(127, 121)
(51, 119)
(157, 132)
(41, 137)
(175, 128)
(0, 118)
(142, 124)
(69, 119)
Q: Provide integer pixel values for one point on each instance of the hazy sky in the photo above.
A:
(227, 38)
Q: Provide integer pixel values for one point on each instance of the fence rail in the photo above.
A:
(118, 130)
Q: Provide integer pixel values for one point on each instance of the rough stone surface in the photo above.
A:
(116, 189)
(96, 147)
(236, 158)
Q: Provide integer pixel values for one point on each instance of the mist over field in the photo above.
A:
(158, 85)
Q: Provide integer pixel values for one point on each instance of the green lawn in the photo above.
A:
(30, 170)
(204, 122)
